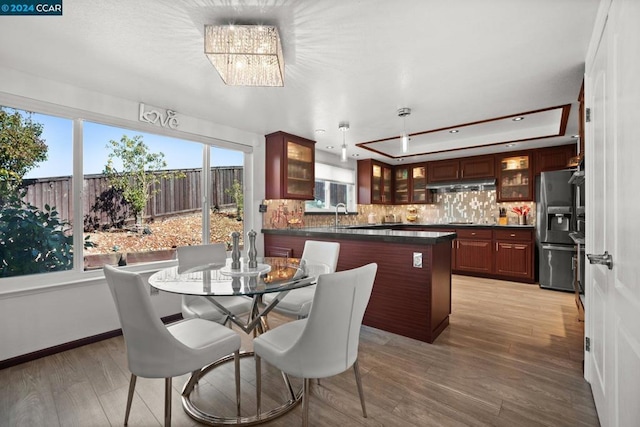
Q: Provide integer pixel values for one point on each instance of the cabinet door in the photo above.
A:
(444, 170)
(376, 183)
(300, 178)
(514, 259)
(402, 184)
(387, 180)
(554, 158)
(474, 255)
(419, 193)
(515, 178)
(477, 167)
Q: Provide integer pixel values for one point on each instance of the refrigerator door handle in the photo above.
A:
(559, 248)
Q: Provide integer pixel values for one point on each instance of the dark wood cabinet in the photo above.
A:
(515, 178)
(290, 167)
(554, 158)
(477, 167)
(444, 170)
(464, 168)
(514, 254)
(402, 185)
(418, 186)
(473, 251)
(375, 180)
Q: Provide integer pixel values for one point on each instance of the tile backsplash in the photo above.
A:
(480, 207)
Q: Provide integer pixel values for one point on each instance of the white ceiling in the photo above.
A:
(452, 62)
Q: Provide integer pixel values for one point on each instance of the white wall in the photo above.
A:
(45, 310)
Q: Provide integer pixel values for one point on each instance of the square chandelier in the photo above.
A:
(245, 55)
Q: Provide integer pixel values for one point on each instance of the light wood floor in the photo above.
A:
(512, 356)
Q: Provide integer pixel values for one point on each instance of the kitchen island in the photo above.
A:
(412, 291)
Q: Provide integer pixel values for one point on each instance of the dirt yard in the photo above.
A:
(168, 233)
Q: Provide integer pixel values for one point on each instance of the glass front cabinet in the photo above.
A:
(290, 167)
(515, 178)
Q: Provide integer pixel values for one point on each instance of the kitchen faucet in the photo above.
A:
(338, 207)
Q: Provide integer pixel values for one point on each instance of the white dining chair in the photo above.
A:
(297, 303)
(325, 343)
(158, 351)
(201, 307)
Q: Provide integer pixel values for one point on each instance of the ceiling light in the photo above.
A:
(454, 131)
(320, 131)
(245, 55)
(517, 119)
(344, 127)
(404, 112)
(575, 136)
(355, 155)
(399, 160)
(330, 147)
(510, 145)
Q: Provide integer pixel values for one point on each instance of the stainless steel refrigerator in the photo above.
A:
(555, 219)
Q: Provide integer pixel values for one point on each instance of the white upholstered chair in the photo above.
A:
(201, 307)
(157, 351)
(325, 343)
(297, 303)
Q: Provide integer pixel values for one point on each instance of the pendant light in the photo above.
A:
(344, 127)
(404, 112)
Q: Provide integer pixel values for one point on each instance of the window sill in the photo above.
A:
(12, 287)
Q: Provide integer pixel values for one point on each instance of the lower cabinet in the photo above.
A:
(501, 253)
(514, 254)
(473, 251)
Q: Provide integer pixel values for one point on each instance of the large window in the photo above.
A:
(142, 195)
(333, 185)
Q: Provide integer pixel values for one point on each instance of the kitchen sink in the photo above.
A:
(461, 222)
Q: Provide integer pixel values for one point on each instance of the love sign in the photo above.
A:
(169, 119)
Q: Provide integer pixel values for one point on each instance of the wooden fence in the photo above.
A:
(176, 196)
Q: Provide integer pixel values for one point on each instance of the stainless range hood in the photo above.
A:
(466, 185)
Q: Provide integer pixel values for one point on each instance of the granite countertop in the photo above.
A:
(382, 233)
(438, 225)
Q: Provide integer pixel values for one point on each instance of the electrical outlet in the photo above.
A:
(417, 259)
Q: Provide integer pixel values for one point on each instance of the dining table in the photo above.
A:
(218, 279)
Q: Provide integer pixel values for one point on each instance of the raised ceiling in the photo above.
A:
(465, 64)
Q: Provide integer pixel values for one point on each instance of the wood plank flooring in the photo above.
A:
(511, 356)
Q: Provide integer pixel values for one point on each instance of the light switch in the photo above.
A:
(417, 259)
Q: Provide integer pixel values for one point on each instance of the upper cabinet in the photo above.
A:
(411, 184)
(375, 181)
(515, 179)
(465, 168)
(419, 192)
(402, 183)
(554, 158)
(290, 167)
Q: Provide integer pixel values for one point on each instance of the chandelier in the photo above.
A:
(245, 55)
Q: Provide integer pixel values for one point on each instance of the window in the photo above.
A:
(36, 204)
(143, 195)
(140, 195)
(333, 185)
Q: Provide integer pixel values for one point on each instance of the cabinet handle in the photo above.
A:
(462, 173)
(496, 246)
(512, 235)
(473, 234)
(458, 244)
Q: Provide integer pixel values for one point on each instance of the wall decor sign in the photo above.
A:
(153, 116)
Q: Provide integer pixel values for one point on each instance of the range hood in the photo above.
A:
(466, 185)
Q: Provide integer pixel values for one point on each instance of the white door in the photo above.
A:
(612, 365)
